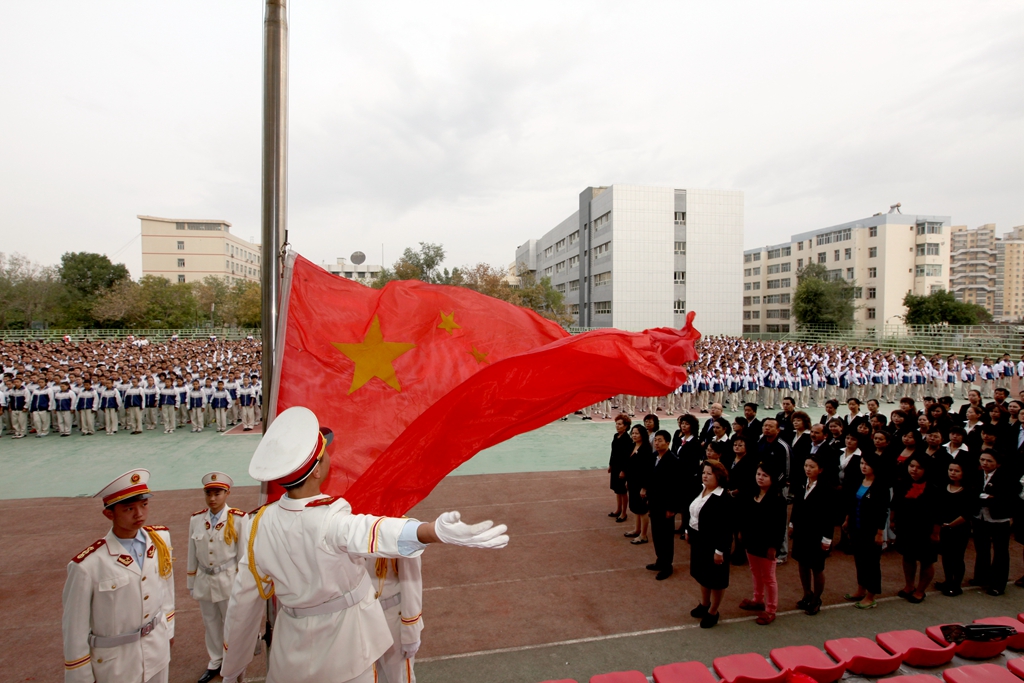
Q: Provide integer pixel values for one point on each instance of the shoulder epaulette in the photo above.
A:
(200, 512)
(88, 551)
(156, 527)
(321, 501)
(237, 512)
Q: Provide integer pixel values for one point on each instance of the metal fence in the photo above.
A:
(222, 333)
(975, 340)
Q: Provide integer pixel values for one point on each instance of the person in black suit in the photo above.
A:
(811, 527)
(690, 453)
(662, 489)
(773, 451)
(831, 406)
(753, 429)
(785, 419)
(622, 446)
(973, 399)
(997, 498)
(709, 532)
(761, 513)
(866, 517)
(855, 417)
(636, 471)
(916, 521)
(707, 432)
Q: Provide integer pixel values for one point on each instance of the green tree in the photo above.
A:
(122, 305)
(424, 265)
(823, 300)
(212, 296)
(29, 293)
(85, 276)
(168, 305)
(245, 304)
(942, 308)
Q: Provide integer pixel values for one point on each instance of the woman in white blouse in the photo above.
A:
(709, 532)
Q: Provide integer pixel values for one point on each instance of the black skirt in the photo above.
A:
(637, 505)
(617, 484)
(702, 562)
(807, 550)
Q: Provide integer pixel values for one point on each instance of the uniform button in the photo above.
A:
(146, 617)
(113, 586)
(146, 598)
(143, 578)
(99, 661)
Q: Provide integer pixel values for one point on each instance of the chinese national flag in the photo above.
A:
(415, 379)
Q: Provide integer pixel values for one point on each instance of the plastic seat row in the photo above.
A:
(859, 656)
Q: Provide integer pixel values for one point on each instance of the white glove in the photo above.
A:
(409, 650)
(451, 530)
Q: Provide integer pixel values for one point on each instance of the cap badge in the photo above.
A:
(135, 480)
(213, 477)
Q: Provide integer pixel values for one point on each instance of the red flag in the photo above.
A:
(368, 362)
(517, 395)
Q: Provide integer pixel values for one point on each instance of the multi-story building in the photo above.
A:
(1010, 275)
(973, 264)
(636, 257)
(363, 272)
(188, 250)
(885, 256)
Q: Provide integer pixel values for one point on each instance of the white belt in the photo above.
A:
(125, 638)
(389, 602)
(222, 567)
(339, 604)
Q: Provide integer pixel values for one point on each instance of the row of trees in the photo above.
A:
(830, 302)
(89, 291)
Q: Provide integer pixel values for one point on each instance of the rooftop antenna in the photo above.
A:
(895, 208)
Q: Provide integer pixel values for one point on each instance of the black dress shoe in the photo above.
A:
(709, 620)
(700, 611)
(210, 675)
(663, 574)
(994, 592)
(653, 567)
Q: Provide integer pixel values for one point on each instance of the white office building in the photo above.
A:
(635, 257)
(885, 256)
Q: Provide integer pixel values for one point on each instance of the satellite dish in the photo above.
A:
(357, 257)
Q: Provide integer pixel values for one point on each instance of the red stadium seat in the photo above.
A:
(913, 678)
(915, 648)
(1016, 667)
(748, 668)
(807, 660)
(862, 656)
(684, 672)
(969, 649)
(1014, 642)
(979, 673)
(620, 677)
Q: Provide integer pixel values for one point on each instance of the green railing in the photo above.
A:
(77, 335)
(974, 340)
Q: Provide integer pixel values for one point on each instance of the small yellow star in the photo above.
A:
(374, 357)
(480, 356)
(448, 323)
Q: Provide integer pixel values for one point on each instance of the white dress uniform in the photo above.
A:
(309, 554)
(119, 602)
(399, 588)
(215, 544)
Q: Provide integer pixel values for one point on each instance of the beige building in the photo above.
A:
(364, 272)
(1010, 270)
(188, 250)
(973, 266)
(886, 256)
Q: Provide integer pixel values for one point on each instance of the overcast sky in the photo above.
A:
(476, 125)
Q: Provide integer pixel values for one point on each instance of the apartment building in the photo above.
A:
(885, 256)
(189, 250)
(635, 257)
(988, 270)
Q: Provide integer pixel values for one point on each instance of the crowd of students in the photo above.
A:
(131, 385)
(923, 480)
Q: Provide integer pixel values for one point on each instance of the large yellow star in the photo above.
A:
(448, 322)
(374, 357)
(480, 356)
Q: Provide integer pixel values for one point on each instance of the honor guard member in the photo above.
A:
(216, 537)
(308, 550)
(64, 404)
(118, 599)
(86, 404)
(18, 400)
(221, 403)
(399, 589)
(247, 402)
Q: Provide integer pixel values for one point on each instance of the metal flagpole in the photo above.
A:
(275, 180)
(274, 210)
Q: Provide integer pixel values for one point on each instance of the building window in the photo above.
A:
(574, 285)
(858, 292)
(822, 257)
(746, 272)
(746, 315)
(872, 252)
(873, 231)
(681, 249)
(181, 263)
(755, 314)
(574, 237)
(746, 257)
(752, 329)
(928, 270)
(872, 272)
(785, 282)
(938, 288)
(756, 300)
(680, 217)
(800, 245)
(547, 252)
(181, 245)
(849, 273)
(602, 220)
(786, 267)
(547, 271)
(602, 308)
(872, 293)
(774, 284)
(929, 228)
(872, 314)
(848, 253)
(799, 262)
(772, 270)
(680, 306)
(574, 261)
(602, 279)
(835, 236)
(836, 257)
(746, 301)
(757, 286)
(560, 244)
(680, 277)
(560, 267)
(181, 278)
(560, 288)
(931, 249)
(602, 249)
(757, 256)
(757, 270)
(574, 309)
(746, 287)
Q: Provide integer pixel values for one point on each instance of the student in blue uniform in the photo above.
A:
(41, 405)
(64, 405)
(18, 400)
(86, 404)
